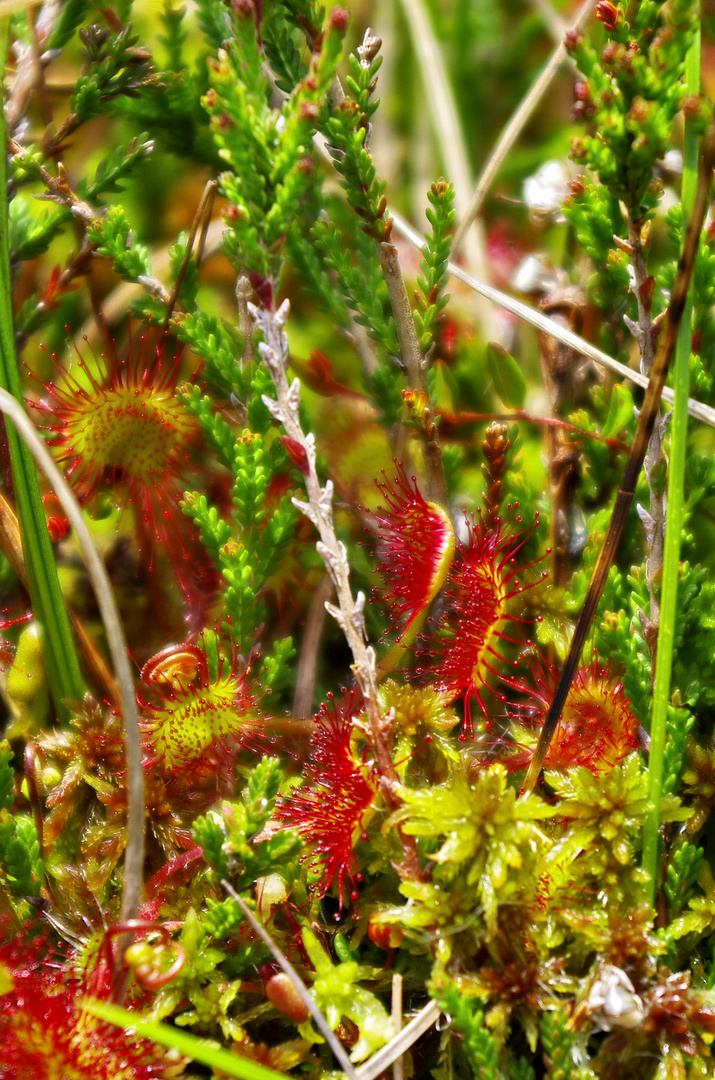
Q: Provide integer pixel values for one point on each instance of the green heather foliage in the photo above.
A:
(349, 513)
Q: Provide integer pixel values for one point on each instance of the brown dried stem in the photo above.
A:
(655, 464)
(416, 367)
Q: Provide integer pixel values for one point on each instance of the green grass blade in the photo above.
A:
(671, 554)
(193, 1047)
(60, 657)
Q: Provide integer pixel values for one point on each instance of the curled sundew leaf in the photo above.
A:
(195, 707)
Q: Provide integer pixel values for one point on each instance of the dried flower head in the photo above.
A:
(679, 1014)
(92, 746)
(417, 542)
(332, 808)
(195, 707)
(468, 648)
(597, 728)
(120, 425)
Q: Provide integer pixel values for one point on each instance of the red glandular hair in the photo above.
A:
(331, 809)
(467, 651)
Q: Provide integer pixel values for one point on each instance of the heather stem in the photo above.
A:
(349, 612)
(416, 368)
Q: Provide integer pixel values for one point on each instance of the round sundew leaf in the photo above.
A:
(507, 376)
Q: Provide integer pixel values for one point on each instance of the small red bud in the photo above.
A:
(383, 935)
(297, 454)
(572, 40)
(57, 528)
(609, 14)
(283, 995)
(243, 9)
(579, 150)
(691, 106)
(57, 522)
(339, 20)
(309, 111)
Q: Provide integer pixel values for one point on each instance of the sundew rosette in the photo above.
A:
(45, 1031)
(196, 708)
(118, 424)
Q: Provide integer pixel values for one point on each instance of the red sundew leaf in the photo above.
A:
(597, 729)
(330, 811)
(123, 426)
(467, 650)
(45, 1033)
(189, 720)
(417, 540)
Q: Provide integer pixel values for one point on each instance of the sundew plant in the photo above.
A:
(357, 536)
